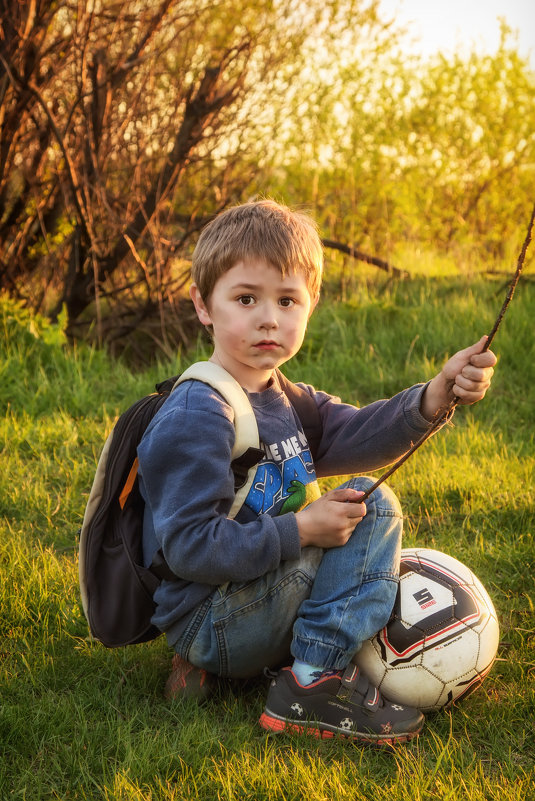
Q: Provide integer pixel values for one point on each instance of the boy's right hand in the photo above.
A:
(330, 521)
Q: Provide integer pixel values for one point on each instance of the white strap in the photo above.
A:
(244, 420)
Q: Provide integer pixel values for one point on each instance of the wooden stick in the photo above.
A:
(443, 414)
(514, 282)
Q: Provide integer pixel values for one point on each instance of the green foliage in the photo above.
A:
(41, 371)
(79, 721)
(192, 107)
(438, 154)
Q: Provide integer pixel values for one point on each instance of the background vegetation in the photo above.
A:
(124, 127)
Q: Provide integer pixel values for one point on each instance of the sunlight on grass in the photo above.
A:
(100, 727)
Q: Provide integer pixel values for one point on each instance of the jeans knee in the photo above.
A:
(383, 497)
(387, 500)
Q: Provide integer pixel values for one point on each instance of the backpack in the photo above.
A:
(116, 587)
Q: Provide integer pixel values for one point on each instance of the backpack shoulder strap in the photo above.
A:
(247, 438)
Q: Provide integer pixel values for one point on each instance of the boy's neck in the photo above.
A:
(251, 379)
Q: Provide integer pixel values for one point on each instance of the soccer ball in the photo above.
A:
(442, 636)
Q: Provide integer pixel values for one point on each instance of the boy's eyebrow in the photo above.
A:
(240, 285)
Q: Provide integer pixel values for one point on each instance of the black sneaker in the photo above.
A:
(188, 681)
(342, 703)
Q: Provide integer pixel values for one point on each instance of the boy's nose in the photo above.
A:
(268, 325)
(268, 318)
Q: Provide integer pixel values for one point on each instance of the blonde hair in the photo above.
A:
(286, 239)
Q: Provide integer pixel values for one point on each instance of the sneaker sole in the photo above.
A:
(277, 725)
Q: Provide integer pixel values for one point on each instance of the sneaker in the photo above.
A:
(188, 681)
(338, 704)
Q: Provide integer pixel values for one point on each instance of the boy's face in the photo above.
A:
(258, 318)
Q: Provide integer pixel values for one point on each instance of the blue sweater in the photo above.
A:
(188, 485)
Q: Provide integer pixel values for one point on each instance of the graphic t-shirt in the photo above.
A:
(285, 480)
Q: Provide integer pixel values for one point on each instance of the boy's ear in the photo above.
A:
(200, 307)
(313, 304)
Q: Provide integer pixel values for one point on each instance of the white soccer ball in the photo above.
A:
(441, 639)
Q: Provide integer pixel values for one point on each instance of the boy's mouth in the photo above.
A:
(267, 344)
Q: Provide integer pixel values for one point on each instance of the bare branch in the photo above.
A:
(360, 256)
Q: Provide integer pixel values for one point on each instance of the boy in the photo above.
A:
(295, 573)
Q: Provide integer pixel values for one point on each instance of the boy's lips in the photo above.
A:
(266, 344)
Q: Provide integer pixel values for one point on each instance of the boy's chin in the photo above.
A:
(270, 361)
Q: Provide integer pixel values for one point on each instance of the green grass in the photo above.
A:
(78, 721)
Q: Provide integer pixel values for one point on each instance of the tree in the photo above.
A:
(104, 107)
(123, 127)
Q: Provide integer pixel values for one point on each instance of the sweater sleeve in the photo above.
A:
(188, 487)
(359, 440)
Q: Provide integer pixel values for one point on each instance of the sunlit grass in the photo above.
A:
(83, 722)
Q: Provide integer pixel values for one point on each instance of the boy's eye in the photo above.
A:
(246, 300)
(287, 302)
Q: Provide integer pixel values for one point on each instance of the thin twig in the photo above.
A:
(444, 414)
(514, 282)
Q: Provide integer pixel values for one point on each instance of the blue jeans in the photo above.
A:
(318, 609)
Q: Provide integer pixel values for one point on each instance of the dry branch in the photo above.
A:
(365, 257)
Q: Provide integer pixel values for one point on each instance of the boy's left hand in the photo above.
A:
(465, 378)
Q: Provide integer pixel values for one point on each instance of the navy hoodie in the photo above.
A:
(188, 485)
